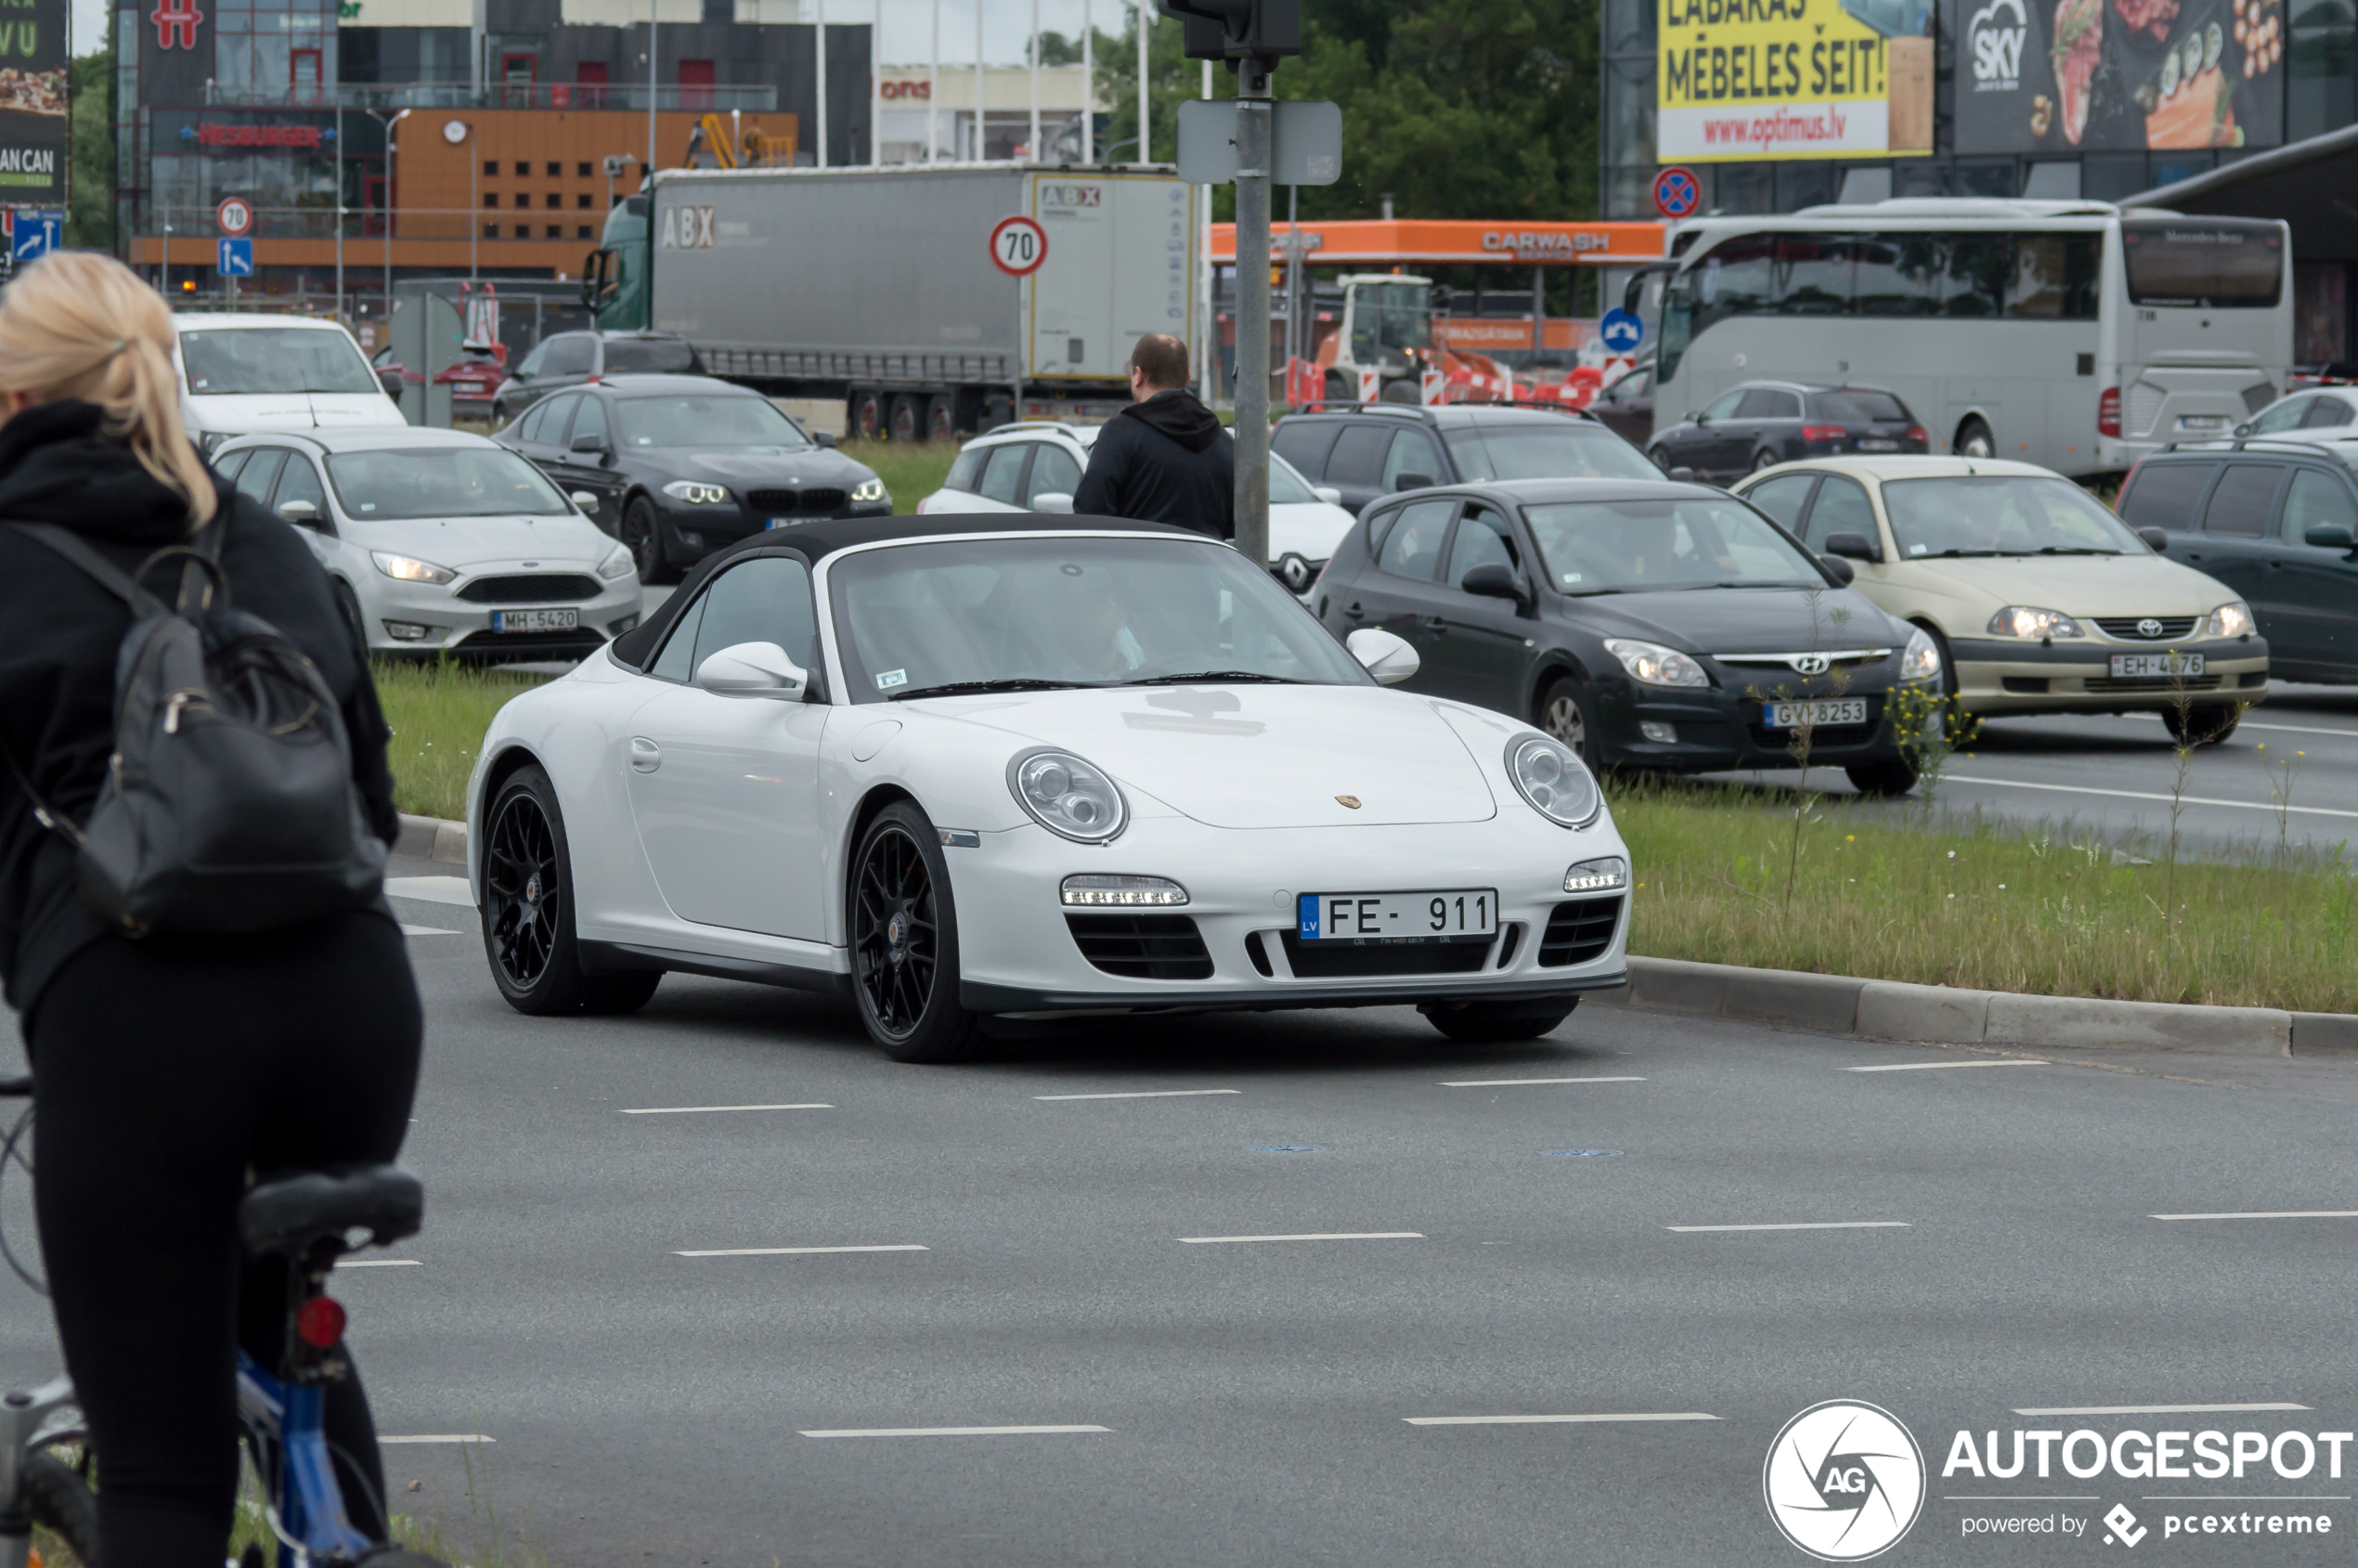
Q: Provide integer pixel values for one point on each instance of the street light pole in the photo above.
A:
(1146, 20)
(474, 219)
(1253, 139)
(1088, 86)
(1034, 143)
(978, 146)
(821, 77)
(651, 102)
(339, 202)
(387, 121)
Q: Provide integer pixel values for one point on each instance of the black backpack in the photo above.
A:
(229, 805)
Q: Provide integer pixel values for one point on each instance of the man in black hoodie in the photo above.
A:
(1164, 459)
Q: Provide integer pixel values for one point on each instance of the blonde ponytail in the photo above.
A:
(79, 325)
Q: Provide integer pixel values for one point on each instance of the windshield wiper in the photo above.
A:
(2074, 550)
(1959, 552)
(1012, 684)
(1192, 678)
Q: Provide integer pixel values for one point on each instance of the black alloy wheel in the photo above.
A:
(1765, 460)
(1563, 713)
(642, 536)
(1891, 777)
(904, 942)
(2200, 724)
(529, 910)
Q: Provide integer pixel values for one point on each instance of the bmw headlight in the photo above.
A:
(617, 563)
(869, 490)
(695, 494)
(2023, 621)
(1656, 665)
(411, 571)
(1067, 796)
(1549, 775)
(1921, 659)
(2230, 620)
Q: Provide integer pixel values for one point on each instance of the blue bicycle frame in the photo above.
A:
(307, 1505)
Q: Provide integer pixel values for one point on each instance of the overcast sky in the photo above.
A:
(908, 25)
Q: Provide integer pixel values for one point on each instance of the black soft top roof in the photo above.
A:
(815, 541)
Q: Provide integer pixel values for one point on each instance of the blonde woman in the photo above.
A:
(166, 1067)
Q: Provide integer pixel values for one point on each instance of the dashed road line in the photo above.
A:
(1142, 1094)
(432, 889)
(2150, 1409)
(439, 1437)
(2148, 795)
(427, 931)
(1314, 1235)
(2270, 1214)
(1519, 1082)
(1921, 1067)
(702, 1110)
(793, 1251)
(947, 1431)
(1806, 1225)
(380, 1263)
(1546, 1420)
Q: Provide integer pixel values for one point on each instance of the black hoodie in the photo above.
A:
(1165, 460)
(58, 633)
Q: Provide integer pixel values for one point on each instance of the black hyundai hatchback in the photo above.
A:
(1650, 625)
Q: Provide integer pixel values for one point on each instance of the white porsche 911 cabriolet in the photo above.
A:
(976, 767)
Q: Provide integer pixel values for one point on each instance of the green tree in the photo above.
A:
(90, 154)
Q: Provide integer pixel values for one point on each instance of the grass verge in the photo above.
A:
(912, 471)
(1722, 876)
(439, 713)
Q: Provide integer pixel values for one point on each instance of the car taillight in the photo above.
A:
(319, 1322)
(1916, 432)
(1823, 432)
(2108, 412)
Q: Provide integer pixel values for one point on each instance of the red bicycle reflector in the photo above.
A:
(319, 1322)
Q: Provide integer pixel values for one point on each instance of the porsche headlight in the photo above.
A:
(2023, 621)
(1921, 659)
(695, 494)
(1548, 776)
(1067, 796)
(869, 490)
(411, 571)
(616, 564)
(1656, 665)
(1607, 875)
(2230, 620)
(1097, 891)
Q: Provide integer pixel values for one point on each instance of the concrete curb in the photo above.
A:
(1946, 1016)
(432, 838)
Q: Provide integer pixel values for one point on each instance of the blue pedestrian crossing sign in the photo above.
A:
(237, 258)
(1621, 331)
(33, 234)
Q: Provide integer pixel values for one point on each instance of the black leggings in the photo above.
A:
(164, 1070)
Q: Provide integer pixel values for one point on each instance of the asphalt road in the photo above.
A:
(1260, 1399)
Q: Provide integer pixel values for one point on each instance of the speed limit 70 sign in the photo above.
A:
(1018, 246)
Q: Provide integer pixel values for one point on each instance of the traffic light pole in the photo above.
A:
(1253, 149)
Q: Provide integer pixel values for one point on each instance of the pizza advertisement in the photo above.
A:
(2068, 76)
(32, 103)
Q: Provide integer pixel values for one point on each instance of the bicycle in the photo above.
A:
(310, 1218)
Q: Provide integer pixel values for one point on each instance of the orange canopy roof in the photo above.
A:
(1384, 242)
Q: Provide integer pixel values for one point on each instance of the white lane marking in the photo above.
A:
(1808, 1224)
(1920, 1066)
(2147, 795)
(948, 1431)
(2280, 729)
(1518, 1082)
(2270, 1214)
(2151, 1409)
(432, 889)
(1538, 1420)
(439, 1437)
(380, 1263)
(793, 1251)
(699, 1110)
(1142, 1094)
(2018, 1497)
(1314, 1236)
(427, 931)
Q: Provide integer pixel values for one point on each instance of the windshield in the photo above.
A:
(659, 355)
(1286, 487)
(428, 482)
(227, 361)
(701, 421)
(1077, 611)
(1640, 545)
(1569, 450)
(1995, 515)
(2216, 264)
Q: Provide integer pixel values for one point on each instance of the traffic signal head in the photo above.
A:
(1235, 30)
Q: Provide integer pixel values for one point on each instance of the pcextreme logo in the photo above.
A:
(1844, 1481)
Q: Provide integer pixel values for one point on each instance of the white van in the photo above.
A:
(244, 374)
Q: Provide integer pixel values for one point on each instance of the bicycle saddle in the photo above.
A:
(284, 1215)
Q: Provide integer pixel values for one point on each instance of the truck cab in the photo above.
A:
(615, 276)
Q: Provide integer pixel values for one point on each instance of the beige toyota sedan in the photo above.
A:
(2040, 599)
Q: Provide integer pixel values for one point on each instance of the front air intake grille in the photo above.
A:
(1337, 960)
(1578, 931)
(2130, 628)
(794, 503)
(1142, 947)
(544, 588)
(2095, 683)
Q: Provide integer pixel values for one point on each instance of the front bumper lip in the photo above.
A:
(982, 996)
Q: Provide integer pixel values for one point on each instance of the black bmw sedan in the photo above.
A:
(1649, 625)
(680, 466)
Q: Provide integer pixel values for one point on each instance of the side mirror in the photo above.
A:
(1852, 546)
(1698, 419)
(2156, 541)
(596, 444)
(584, 500)
(1683, 474)
(2244, 429)
(2328, 536)
(1412, 482)
(825, 438)
(1840, 570)
(1327, 493)
(1053, 501)
(752, 669)
(1390, 659)
(305, 512)
(1495, 581)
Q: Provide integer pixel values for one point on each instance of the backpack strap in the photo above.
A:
(55, 821)
(101, 570)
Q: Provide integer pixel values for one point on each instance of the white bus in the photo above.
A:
(2074, 334)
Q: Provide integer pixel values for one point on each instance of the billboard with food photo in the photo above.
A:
(2119, 75)
(1750, 78)
(32, 103)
